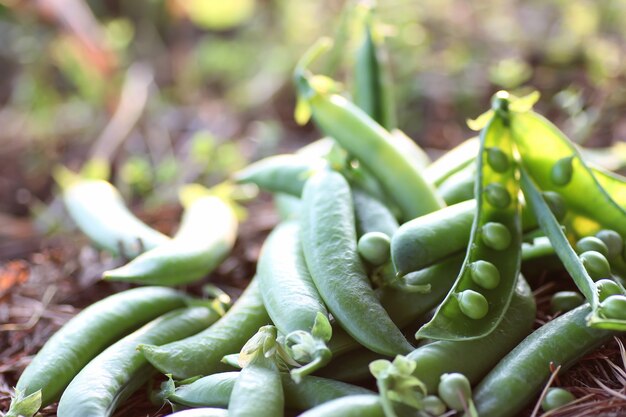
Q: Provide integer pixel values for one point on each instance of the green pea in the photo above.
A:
(498, 161)
(562, 171)
(596, 265)
(591, 243)
(557, 204)
(565, 301)
(612, 240)
(433, 405)
(473, 304)
(607, 288)
(485, 274)
(374, 247)
(497, 195)
(454, 390)
(556, 398)
(496, 236)
(614, 307)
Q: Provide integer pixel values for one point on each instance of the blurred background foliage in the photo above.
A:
(174, 91)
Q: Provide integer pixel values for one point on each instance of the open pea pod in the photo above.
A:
(556, 165)
(568, 256)
(483, 289)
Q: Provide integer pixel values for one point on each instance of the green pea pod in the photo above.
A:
(117, 372)
(206, 236)
(280, 173)
(372, 81)
(330, 250)
(370, 143)
(99, 211)
(291, 299)
(456, 159)
(372, 215)
(201, 412)
(215, 390)
(257, 391)
(474, 308)
(446, 356)
(519, 377)
(202, 353)
(459, 186)
(352, 406)
(556, 165)
(568, 256)
(88, 333)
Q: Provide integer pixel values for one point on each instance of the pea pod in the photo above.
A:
(473, 310)
(291, 299)
(352, 406)
(556, 165)
(453, 161)
(370, 143)
(446, 356)
(206, 236)
(88, 333)
(372, 91)
(202, 353)
(329, 242)
(372, 215)
(118, 371)
(257, 390)
(99, 211)
(518, 378)
(568, 256)
(215, 390)
(459, 186)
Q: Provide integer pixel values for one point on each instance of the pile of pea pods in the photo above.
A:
(392, 286)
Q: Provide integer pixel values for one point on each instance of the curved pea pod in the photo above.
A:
(202, 353)
(280, 173)
(445, 356)
(353, 406)
(372, 215)
(372, 81)
(292, 300)
(453, 161)
(119, 370)
(88, 333)
(519, 377)
(214, 391)
(370, 143)
(329, 242)
(556, 165)
(99, 211)
(201, 412)
(206, 236)
(485, 285)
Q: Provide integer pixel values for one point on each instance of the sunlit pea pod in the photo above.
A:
(556, 165)
(202, 353)
(114, 374)
(519, 377)
(470, 310)
(214, 391)
(99, 211)
(292, 300)
(206, 236)
(568, 256)
(370, 143)
(90, 332)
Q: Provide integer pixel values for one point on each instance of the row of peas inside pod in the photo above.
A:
(391, 287)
